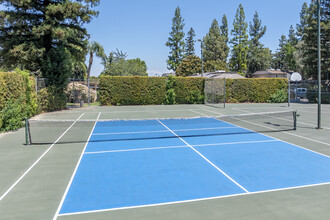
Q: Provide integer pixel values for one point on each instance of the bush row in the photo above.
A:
(255, 90)
(18, 99)
(117, 90)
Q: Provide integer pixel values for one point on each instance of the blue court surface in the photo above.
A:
(142, 163)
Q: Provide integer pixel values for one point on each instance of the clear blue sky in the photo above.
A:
(141, 28)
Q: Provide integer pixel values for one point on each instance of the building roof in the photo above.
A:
(220, 74)
(270, 72)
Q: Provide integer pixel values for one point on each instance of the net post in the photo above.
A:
(289, 92)
(26, 132)
(295, 120)
(224, 92)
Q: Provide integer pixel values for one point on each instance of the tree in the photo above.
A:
(97, 49)
(257, 31)
(215, 65)
(190, 43)
(176, 42)
(46, 36)
(238, 61)
(303, 20)
(116, 64)
(307, 31)
(190, 65)
(279, 60)
(292, 37)
(214, 47)
(258, 57)
(224, 33)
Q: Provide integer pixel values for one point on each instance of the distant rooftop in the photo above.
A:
(220, 74)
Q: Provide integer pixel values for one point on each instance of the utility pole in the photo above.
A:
(201, 54)
(319, 64)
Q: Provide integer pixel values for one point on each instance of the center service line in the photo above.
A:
(205, 158)
(74, 172)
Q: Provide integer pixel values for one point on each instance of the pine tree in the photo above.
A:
(307, 31)
(224, 33)
(238, 61)
(259, 58)
(303, 20)
(190, 43)
(256, 30)
(292, 37)
(214, 44)
(46, 36)
(176, 42)
(279, 61)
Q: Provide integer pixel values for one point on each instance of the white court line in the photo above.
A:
(323, 110)
(142, 111)
(195, 200)
(170, 147)
(135, 149)
(74, 172)
(35, 163)
(146, 132)
(300, 122)
(212, 111)
(285, 133)
(198, 113)
(206, 159)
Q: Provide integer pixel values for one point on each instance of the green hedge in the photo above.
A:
(17, 99)
(51, 99)
(189, 90)
(117, 90)
(254, 90)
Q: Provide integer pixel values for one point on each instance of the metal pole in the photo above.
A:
(73, 92)
(26, 132)
(89, 95)
(36, 84)
(289, 93)
(224, 92)
(213, 91)
(327, 63)
(202, 56)
(319, 65)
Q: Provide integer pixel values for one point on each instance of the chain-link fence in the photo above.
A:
(214, 91)
(78, 91)
(306, 91)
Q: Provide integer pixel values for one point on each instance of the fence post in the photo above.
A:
(89, 95)
(224, 92)
(289, 93)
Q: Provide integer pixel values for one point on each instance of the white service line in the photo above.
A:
(74, 172)
(135, 149)
(198, 113)
(28, 170)
(213, 112)
(195, 200)
(288, 134)
(170, 147)
(146, 132)
(205, 158)
(300, 122)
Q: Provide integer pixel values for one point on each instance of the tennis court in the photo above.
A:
(163, 162)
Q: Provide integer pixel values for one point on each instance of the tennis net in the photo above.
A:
(43, 131)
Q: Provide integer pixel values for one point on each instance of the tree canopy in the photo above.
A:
(238, 61)
(176, 41)
(116, 64)
(46, 36)
(214, 47)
